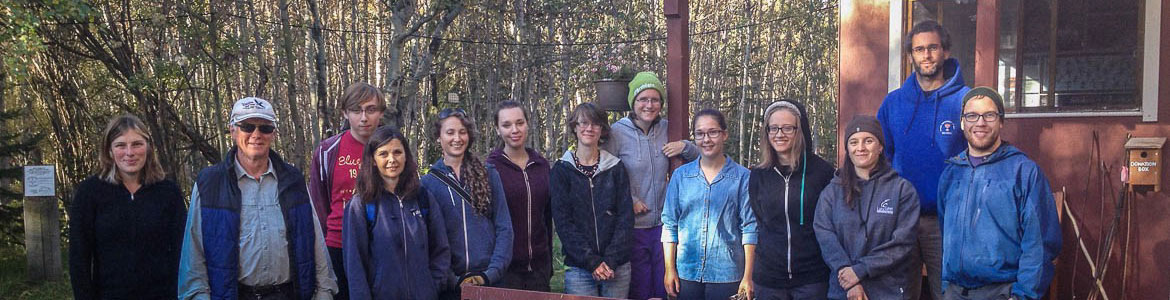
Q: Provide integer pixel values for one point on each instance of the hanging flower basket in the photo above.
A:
(612, 94)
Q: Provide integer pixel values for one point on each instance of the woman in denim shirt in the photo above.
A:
(709, 230)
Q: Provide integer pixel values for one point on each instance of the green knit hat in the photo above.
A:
(643, 81)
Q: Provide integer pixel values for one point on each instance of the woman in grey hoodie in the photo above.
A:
(865, 220)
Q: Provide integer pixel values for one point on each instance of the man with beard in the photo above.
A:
(920, 124)
(997, 212)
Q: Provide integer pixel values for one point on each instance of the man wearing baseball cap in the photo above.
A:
(251, 231)
(998, 216)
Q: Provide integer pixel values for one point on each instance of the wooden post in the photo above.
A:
(678, 72)
(42, 225)
(987, 43)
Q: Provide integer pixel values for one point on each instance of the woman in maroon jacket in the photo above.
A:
(524, 173)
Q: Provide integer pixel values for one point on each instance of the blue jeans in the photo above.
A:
(816, 290)
(580, 281)
(689, 290)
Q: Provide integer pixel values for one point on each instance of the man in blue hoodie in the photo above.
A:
(920, 122)
(997, 211)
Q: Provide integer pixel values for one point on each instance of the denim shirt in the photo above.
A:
(709, 222)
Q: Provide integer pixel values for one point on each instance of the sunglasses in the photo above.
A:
(447, 112)
(249, 128)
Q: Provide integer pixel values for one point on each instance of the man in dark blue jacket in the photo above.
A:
(920, 122)
(251, 232)
(998, 215)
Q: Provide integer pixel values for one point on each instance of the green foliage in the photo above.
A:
(14, 286)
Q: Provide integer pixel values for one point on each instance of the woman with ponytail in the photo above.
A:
(866, 220)
(783, 191)
(471, 199)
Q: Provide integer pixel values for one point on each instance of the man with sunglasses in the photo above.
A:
(997, 212)
(920, 124)
(334, 168)
(251, 231)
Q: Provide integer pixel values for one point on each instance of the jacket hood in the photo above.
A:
(606, 162)
(628, 121)
(502, 160)
(880, 174)
(1004, 151)
(951, 70)
(805, 131)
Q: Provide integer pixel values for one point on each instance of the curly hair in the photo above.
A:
(473, 172)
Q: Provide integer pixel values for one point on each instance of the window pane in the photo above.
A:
(1070, 55)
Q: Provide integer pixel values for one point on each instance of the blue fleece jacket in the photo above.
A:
(922, 131)
(395, 248)
(478, 243)
(1000, 223)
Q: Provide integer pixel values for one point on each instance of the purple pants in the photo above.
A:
(647, 264)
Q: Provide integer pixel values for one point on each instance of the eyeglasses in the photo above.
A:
(448, 112)
(584, 125)
(974, 117)
(933, 48)
(368, 110)
(647, 100)
(714, 134)
(787, 129)
(249, 128)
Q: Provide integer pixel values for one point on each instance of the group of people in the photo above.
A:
(927, 184)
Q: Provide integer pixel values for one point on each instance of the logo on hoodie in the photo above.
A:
(885, 208)
(946, 127)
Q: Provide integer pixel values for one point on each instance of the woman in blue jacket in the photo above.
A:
(592, 210)
(395, 244)
(471, 200)
(709, 230)
(866, 220)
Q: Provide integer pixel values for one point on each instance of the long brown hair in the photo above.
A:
(369, 181)
(473, 172)
(151, 171)
(769, 158)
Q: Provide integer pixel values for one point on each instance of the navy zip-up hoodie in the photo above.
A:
(478, 244)
(402, 253)
(874, 235)
(787, 253)
(921, 132)
(527, 191)
(594, 216)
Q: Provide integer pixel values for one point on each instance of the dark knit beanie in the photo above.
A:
(986, 92)
(864, 123)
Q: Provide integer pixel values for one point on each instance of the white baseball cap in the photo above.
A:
(252, 107)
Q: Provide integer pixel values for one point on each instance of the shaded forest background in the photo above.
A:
(68, 66)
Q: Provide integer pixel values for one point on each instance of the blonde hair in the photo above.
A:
(152, 170)
(769, 158)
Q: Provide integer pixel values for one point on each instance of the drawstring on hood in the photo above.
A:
(950, 69)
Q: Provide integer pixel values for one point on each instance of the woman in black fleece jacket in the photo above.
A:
(126, 223)
(784, 189)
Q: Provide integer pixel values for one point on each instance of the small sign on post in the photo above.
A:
(39, 181)
(42, 225)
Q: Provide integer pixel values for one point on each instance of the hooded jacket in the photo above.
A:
(641, 152)
(594, 216)
(921, 131)
(1000, 222)
(478, 244)
(395, 248)
(528, 202)
(787, 253)
(874, 236)
(321, 178)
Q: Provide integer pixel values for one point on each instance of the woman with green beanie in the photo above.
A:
(640, 141)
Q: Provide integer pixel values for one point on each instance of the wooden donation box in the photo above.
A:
(1145, 161)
